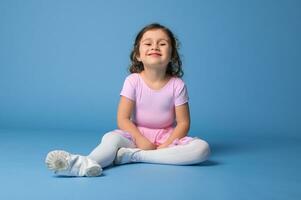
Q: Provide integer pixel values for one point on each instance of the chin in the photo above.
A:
(156, 64)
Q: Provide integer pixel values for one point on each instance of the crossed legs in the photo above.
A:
(116, 149)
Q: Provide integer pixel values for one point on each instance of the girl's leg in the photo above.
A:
(194, 152)
(65, 163)
(105, 153)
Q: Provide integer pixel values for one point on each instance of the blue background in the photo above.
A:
(63, 63)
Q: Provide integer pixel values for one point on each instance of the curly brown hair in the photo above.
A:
(174, 67)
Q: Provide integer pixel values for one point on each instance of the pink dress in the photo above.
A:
(154, 111)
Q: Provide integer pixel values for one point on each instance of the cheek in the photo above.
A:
(142, 51)
(169, 52)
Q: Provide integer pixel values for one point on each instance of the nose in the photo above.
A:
(155, 47)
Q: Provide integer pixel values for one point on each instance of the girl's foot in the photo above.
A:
(126, 155)
(67, 164)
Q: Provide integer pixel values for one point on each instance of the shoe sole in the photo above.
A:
(57, 160)
(94, 171)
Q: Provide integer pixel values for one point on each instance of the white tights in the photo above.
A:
(196, 151)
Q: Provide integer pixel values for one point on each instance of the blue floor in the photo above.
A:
(241, 167)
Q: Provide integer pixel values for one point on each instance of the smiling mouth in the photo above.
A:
(154, 54)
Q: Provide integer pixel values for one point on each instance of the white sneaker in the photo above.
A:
(126, 155)
(67, 164)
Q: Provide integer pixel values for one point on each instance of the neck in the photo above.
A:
(154, 75)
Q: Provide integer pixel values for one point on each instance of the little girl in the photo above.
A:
(153, 114)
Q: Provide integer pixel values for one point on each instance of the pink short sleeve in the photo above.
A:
(128, 89)
(181, 93)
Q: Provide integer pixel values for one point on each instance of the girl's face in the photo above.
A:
(155, 49)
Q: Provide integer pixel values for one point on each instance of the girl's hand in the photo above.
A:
(161, 146)
(144, 143)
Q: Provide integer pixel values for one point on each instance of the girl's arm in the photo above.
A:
(125, 109)
(182, 127)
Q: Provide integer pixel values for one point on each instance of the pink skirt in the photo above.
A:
(156, 136)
